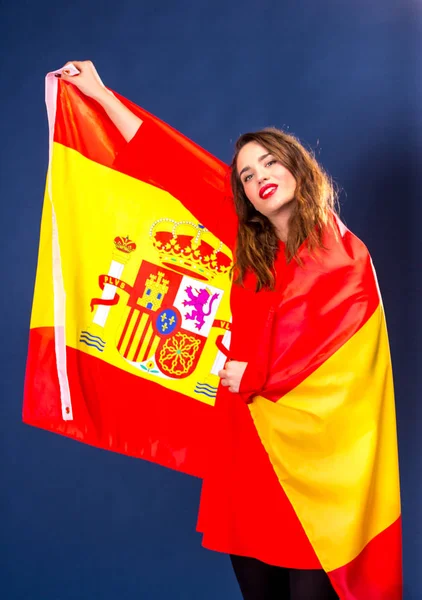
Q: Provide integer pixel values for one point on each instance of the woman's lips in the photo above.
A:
(267, 190)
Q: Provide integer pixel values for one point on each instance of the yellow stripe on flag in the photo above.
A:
(332, 443)
(43, 304)
(102, 204)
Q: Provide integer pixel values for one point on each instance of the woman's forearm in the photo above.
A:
(123, 118)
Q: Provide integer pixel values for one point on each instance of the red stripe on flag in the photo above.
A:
(82, 124)
(375, 574)
(115, 410)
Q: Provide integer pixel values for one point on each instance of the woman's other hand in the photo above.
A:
(88, 80)
(232, 374)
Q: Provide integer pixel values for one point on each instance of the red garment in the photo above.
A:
(238, 462)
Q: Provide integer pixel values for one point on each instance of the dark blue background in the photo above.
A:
(81, 523)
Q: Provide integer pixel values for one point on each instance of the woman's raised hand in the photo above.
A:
(88, 80)
(90, 84)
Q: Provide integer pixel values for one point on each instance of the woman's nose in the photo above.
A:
(262, 177)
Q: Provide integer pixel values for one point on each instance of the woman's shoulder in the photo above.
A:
(345, 242)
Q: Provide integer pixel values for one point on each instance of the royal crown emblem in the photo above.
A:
(124, 244)
(189, 248)
(123, 248)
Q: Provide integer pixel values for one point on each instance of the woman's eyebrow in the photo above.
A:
(259, 160)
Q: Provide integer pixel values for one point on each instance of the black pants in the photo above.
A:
(259, 581)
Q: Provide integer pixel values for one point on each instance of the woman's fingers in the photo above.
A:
(65, 75)
(87, 80)
(66, 72)
(80, 64)
(226, 380)
(67, 68)
(223, 375)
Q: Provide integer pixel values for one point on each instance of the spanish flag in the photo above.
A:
(131, 295)
(131, 322)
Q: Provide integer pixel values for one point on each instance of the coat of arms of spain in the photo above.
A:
(174, 313)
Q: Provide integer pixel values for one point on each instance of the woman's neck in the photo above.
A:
(280, 221)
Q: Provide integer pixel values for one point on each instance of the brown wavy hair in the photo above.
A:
(316, 201)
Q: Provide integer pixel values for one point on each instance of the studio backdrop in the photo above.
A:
(82, 522)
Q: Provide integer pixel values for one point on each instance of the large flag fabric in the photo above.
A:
(131, 295)
(131, 323)
(325, 414)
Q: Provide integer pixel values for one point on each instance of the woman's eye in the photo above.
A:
(247, 178)
(271, 162)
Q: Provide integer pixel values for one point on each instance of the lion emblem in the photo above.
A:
(199, 299)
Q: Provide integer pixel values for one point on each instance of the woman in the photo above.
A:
(304, 289)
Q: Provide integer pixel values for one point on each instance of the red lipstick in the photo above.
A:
(267, 190)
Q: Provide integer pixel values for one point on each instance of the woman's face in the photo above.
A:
(268, 185)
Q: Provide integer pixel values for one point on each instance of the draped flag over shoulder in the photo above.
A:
(131, 318)
(326, 416)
